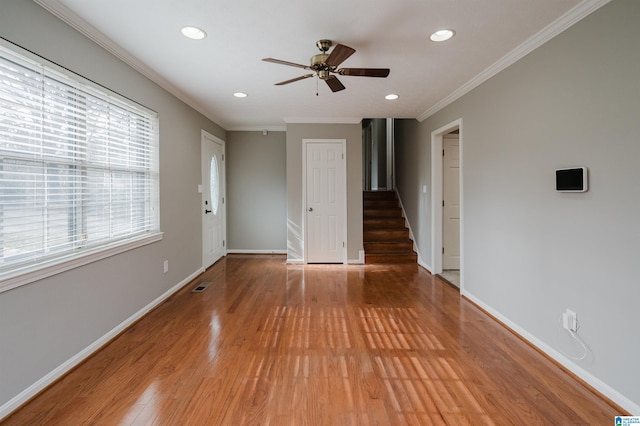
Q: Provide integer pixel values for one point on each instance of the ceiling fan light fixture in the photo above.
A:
(391, 97)
(194, 33)
(240, 95)
(442, 35)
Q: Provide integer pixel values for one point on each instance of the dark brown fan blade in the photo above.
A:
(334, 84)
(365, 72)
(339, 54)
(291, 64)
(302, 77)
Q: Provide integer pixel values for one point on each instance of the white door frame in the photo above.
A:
(436, 198)
(391, 185)
(305, 142)
(206, 136)
(448, 226)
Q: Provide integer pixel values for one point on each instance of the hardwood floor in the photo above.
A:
(268, 343)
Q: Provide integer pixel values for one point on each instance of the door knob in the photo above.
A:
(207, 211)
(310, 209)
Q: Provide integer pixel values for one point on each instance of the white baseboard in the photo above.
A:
(37, 387)
(422, 263)
(251, 251)
(593, 381)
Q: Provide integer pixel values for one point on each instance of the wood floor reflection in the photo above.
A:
(271, 344)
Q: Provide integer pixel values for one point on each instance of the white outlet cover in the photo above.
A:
(570, 320)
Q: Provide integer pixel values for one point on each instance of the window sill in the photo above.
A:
(20, 277)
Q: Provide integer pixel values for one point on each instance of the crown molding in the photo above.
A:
(567, 20)
(322, 120)
(579, 12)
(67, 16)
(257, 129)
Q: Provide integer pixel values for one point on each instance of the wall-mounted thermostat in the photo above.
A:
(572, 179)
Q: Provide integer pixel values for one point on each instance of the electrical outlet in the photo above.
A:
(166, 266)
(570, 320)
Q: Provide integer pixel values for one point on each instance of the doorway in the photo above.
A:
(325, 205)
(451, 202)
(447, 201)
(213, 189)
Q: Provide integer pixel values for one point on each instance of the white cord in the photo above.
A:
(577, 338)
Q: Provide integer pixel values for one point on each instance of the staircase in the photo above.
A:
(386, 238)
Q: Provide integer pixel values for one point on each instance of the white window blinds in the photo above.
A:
(78, 165)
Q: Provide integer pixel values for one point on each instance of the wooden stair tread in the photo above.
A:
(390, 258)
(385, 235)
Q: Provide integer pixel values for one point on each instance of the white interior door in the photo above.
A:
(451, 203)
(325, 202)
(213, 200)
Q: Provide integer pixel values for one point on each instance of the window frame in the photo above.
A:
(22, 274)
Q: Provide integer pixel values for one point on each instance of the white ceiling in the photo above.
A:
(490, 35)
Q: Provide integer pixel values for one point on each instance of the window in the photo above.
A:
(78, 168)
(214, 185)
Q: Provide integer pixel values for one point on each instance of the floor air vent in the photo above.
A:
(201, 287)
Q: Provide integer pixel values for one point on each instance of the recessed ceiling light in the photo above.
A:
(194, 33)
(391, 97)
(240, 95)
(442, 35)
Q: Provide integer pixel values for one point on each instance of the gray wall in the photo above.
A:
(256, 191)
(295, 134)
(45, 323)
(412, 170)
(530, 252)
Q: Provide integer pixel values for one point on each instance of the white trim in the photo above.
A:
(422, 263)
(436, 200)
(257, 128)
(295, 261)
(205, 134)
(322, 120)
(436, 197)
(252, 251)
(411, 234)
(32, 273)
(359, 260)
(561, 24)
(390, 185)
(593, 381)
(37, 387)
(70, 18)
(345, 213)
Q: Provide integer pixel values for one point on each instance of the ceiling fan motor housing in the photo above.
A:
(319, 65)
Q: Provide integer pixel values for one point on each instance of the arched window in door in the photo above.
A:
(214, 184)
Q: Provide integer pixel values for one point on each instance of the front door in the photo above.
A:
(213, 198)
(325, 202)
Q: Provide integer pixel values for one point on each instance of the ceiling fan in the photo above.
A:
(324, 65)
